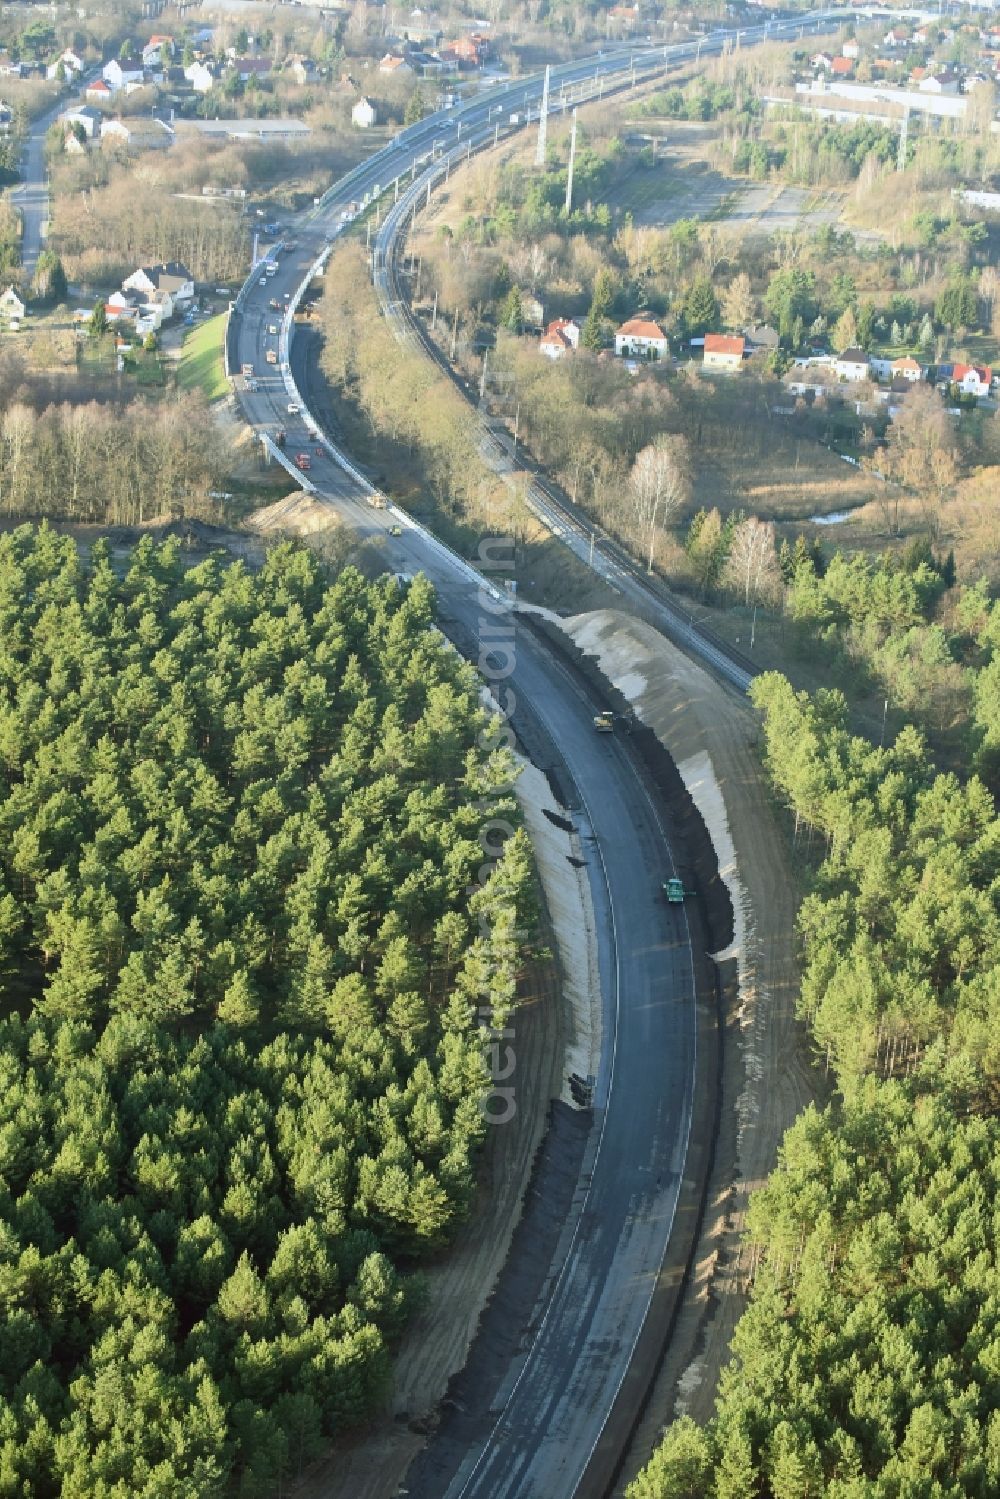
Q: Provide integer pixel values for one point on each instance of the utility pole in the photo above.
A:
(454, 336)
(572, 160)
(543, 121)
(517, 420)
(434, 314)
(482, 378)
(903, 132)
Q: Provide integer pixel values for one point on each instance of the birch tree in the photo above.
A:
(659, 484)
(752, 566)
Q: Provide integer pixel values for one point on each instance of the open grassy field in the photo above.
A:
(201, 364)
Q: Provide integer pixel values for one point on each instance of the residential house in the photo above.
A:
(68, 64)
(851, 50)
(12, 309)
(147, 312)
(140, 134)
(251, 67)
(395, 67)
(98, 92)
(162, 40)
(561, 337)
(6, 116)
(11, 69)
(364, 114)
(72, 144)
(842, 67)
(942, 82)
(124, 73)
(851, 365)
(304, 70)
(467, 51)
(724, 351)
(200, 76)
(821, 61)
(898, 36)
(87, 117)
(972, 379)
(761, 336)
(906, 368)
(171, 277)
(641, 337)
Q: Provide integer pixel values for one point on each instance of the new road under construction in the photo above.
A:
(551, 1395)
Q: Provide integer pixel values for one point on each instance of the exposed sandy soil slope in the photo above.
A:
(710, 734)
(556, 1028)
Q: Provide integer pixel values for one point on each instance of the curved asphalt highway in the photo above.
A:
(552, 1408)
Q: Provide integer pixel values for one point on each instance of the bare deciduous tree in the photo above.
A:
(752, 566)
(659, 484)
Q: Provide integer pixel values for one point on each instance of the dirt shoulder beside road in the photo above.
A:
(767, 1077)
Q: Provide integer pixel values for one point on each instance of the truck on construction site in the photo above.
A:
(604, 723)
(303, 461)
(377, 501)
(271, 356)
(247, 369)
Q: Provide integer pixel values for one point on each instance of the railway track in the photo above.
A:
(606, 556)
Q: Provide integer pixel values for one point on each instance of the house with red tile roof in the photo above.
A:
(724, 351)
(641, 338)
(972, 379)
(561, 337)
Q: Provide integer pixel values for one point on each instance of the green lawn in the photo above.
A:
(201, 362)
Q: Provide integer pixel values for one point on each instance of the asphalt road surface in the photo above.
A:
(31, 197)
(552, 1407)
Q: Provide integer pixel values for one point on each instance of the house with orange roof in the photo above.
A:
(641, 338)
(906, 368)
(724, 351)
(561, 337)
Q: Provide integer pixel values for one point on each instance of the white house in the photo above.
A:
(561, 337)
(200, 76)
(897, 37)
(907, 368)
(12, 309)
(170, 277)
(641, 337)
(67, 65)
(851, 50)
(304, 70)
(852, 365)
(972, 379)
(724, 351)
(148, 313)
(944, 82)
(122, 73)
(98, 92)
(396, 67)
(821, 60)
(88, 118)
(152, 53)
(364, 114)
